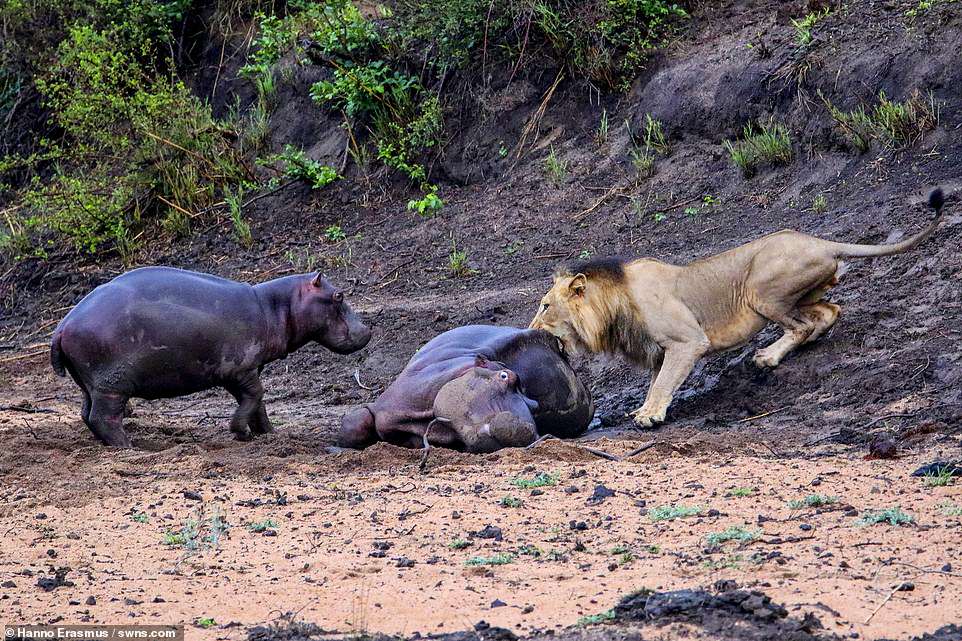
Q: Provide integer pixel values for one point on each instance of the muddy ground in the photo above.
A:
(362, 541)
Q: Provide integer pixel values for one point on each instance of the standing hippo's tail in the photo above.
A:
(56, 354)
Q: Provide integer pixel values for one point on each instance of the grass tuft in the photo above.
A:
(770, 144)
(671, 512)
(543, 479)
(813, 500)
(502, 558)
(892, 516)
(734, 533)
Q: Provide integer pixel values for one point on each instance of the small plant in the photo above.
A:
(555, 167)
(556, 555)
(543, 479)
(262, 526)
(643, 161)
(428, 205)
(502, 151)
(242, 229)
(198, 531)
(892, 516)
(813, 500)
(894, 124)
(692, 211)
(298, 166)
(459, 544)
(924, 6)
(671, 512)
(530, 550)
(502, 558)
(741, 491)
(601, 135)
(769, 144)
(205, 622)
(733, 533)
(458, 262)
(139, 517)
(710, 201)
(585, 254)
(730, 562)
(939, 478)
(513, 247)
(652, 549)
(510, 501)
(950, 509)
(654, 138)
(803, 27)
(334, 234)
(621, 548)
(594, 619)
(820, 204)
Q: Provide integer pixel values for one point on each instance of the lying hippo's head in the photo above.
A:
(324, 316)
(487, 410)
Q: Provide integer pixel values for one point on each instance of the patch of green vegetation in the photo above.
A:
(804, 26)
(671, 512)
(820, 204)
(892, 516)
(769, 144)
(428, 205)
(459, 544)
(510, 501)
(653, 549)
(892, 124)
(741, 491)
(924, 6)
(458, 263)
(542, 479)
(334, 233)
(813, 500)
(502, 558)
(242, 229)
(530, 550)
(262, 526)
(729, 562)
(939, 478)
(555, 168)
(198, 531)
(601, 134)
(556, 555)
(643, 162)
(139, 517)
(733, 533)
(299, 166)
(205, 622)
(653, 137)
(950, 509)
(594, 619)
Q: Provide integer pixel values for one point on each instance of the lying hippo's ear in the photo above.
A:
(480, 360)
(318, 280)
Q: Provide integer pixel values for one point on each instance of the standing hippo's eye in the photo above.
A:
(338, 297)
(503, 376)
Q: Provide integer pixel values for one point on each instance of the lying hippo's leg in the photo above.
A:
(85, 408)
(259, 422)
(105, 418)
(357, 429)
(248, 391)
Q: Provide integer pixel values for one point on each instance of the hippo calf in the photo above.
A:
(476, 388)
(160, 332)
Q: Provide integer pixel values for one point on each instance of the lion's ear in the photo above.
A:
(578, 284)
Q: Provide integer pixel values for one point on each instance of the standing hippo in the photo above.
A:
(477, 388)
(160, 332)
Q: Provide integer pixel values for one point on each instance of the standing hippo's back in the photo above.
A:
(159, 331)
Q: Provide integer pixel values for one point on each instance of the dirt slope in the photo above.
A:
(891, 366)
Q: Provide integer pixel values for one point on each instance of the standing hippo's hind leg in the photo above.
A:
(248, 391)
(105, 418)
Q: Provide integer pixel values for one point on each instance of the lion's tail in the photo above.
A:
(936, 202)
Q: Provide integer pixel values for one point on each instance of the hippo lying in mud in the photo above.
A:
(477, 388)
(160, 332)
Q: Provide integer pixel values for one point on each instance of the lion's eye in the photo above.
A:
(503, 376)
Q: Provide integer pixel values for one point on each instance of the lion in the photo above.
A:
(665, 317)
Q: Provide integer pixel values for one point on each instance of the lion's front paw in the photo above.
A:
(764, 359)
(646, 416)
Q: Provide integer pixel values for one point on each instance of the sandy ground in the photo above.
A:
(363, 541)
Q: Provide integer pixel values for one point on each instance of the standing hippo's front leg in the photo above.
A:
(249, 392)
(259, 422)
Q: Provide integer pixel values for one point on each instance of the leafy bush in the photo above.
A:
(770, 144)
(893, 124)
(299, 166)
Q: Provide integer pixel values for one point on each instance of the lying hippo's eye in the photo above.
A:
(503, 376)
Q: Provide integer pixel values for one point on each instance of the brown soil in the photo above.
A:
(890, 368)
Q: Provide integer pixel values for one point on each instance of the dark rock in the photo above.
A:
(571, 489)
(8, 584)
(905, 586)
(939, 467)
(882, 448)
(488, 532)
(404, 562)
(91, 600)
(804, 527)
(578, 526)
(58, 580)
(600, 494)
(192, 496)
(498, 603)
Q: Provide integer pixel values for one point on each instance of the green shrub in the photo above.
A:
(671, 512)
(893, 124)
(299, 166)
(428, 205)
(892, 516)
(734, 533)
(770, 144)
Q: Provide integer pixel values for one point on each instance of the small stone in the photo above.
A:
(498, 603)
(528, 609)
(805, 527)
(713, 513)
(8, 584)
(404, 562)
(571, 489)
(455, 515)
(947, 567)
(905, 586)
(91, 600)
(192, 496)
(816, 482)
(537, 492)
(579, 526)
(600, 494)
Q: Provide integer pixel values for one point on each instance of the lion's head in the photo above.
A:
(581, 305)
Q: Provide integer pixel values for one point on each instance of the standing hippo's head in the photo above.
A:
(321, 314)
(487, 410)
